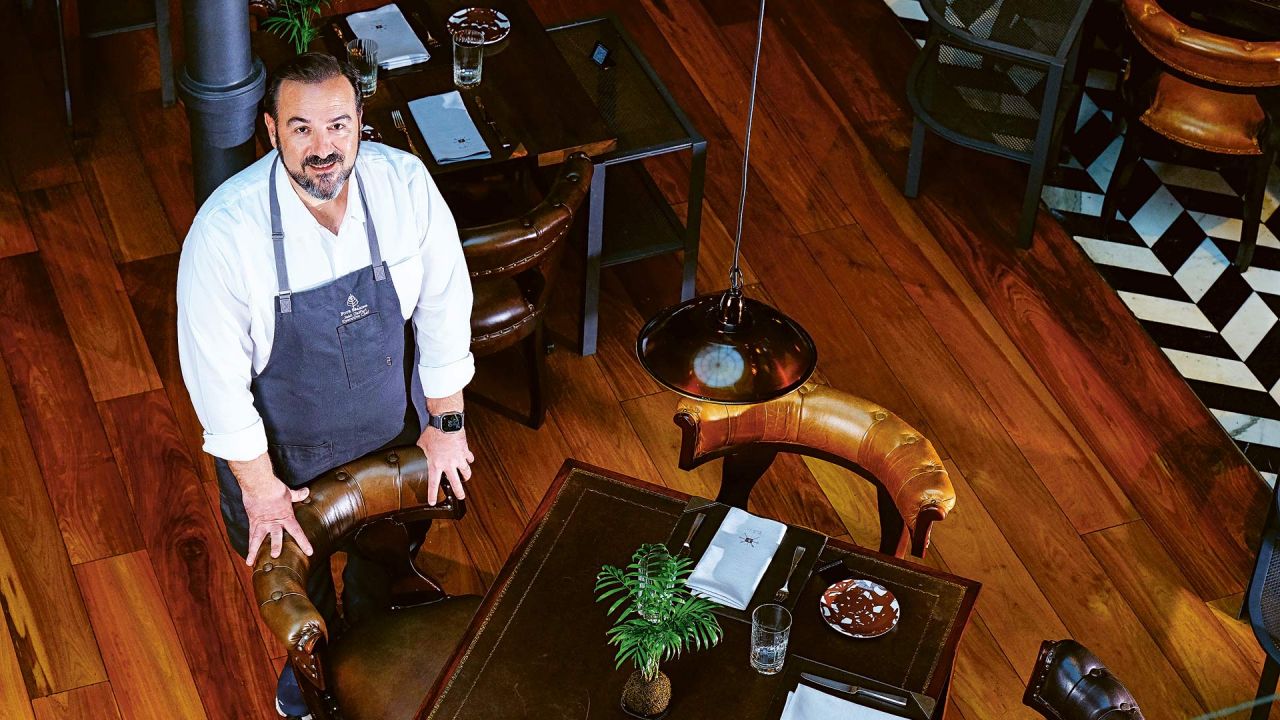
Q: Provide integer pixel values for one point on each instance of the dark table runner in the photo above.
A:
(537, 647)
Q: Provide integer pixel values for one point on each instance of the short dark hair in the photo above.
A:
(309, 69)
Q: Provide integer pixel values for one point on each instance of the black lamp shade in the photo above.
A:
(727, 349)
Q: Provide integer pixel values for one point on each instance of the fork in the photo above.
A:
(784, 591)
(398, 118)
(432, 43)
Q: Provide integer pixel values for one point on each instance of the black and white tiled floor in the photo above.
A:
(1168, 258)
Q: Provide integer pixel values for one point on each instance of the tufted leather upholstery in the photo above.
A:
(360, 496)
(1071, 683)
(1201, 54)
(914, 488)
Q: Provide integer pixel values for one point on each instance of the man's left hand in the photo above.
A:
(448, 455)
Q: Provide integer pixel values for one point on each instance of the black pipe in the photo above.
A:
(221, 84)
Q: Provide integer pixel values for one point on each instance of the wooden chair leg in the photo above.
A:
(1266, 686)
(1130, 154)
(740, 472)
(1253, 197)
(536, 354)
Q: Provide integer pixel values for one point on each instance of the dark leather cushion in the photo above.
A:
(383, 668)
(500, 315)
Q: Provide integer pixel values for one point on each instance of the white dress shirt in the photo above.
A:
(227, 283)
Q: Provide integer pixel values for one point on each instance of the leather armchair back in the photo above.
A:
(1201, 54)
(826, 423)
(391, 484)
(1071, 683)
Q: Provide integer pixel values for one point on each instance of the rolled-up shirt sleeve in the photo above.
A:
(442, 317)
(215, 348)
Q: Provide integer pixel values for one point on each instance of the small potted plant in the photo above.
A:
(659, 619)
(294, 22)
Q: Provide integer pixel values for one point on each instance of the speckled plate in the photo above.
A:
(493, 23)
(859, 608)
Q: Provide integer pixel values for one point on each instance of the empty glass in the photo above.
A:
(363, 55)
(770, 630)
(468, 57)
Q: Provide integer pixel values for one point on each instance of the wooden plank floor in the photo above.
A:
(1097, 497)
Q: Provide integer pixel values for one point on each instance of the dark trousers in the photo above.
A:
(366, 585)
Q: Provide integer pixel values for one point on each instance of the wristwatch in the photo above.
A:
(450, 422)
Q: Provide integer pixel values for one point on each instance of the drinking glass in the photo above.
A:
(770, 630)
(468, 57)
(363, 55)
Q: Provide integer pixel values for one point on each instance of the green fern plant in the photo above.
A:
(659, 617)
(294, 21)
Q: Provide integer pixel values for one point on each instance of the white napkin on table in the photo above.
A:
(806, 703)
(448, 128)
(398, 44)
(736, 559)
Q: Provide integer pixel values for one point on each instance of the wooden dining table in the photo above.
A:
(537, 646)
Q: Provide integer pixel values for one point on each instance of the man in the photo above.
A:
(323, 313)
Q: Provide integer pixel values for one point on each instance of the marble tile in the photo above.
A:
(1222, 371)
(1169, 312)
(1251, 323)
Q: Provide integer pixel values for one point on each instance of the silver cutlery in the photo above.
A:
(693, 530)
(432, 43)
(484, 117)
(895, 700)
(784, 591)
(398, 118)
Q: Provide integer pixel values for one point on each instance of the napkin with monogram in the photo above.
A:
(736, 559)
(807, 703)
(447, 126)
(398, 44)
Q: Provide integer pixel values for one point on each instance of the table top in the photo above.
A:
(530, 93)
(537, 646)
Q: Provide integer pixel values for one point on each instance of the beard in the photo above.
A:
(321, 186)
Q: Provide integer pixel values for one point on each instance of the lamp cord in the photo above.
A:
(735, 272)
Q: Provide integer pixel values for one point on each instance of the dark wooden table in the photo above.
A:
(537, 646)
(531, 94)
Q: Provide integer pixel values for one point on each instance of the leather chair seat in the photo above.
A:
(501, 315)
(383, 668)
(1200, 117)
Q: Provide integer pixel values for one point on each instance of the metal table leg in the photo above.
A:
(595, 243)
(693, 220)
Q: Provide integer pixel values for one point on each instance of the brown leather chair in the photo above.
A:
(1205, 92)
(513, 265)
(912, 486)
(384, 666)
(1071, 683)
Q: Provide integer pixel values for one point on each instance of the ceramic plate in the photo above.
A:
(492, 23)
(859, 608)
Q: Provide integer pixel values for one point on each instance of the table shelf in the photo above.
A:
(638, 222)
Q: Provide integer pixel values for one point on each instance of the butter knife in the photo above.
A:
(693, 530)
(484, 117)
(895, 700)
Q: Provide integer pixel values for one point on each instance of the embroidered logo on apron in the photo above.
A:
(356, 312)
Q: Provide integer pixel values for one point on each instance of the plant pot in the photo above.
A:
(647, 700)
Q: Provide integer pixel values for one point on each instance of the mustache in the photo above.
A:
(317, 161)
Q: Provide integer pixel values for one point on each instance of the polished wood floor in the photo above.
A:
(1097, 498)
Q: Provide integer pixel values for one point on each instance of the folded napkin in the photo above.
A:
(807, 703)
(398, 44)
(448, 128)
(733, 564)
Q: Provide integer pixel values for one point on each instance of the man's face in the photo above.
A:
(317, 131)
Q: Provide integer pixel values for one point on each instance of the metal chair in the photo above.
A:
(1261, 606)
(996, 76)
(1071, 683)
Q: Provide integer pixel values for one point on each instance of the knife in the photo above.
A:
(693, 530)
(484, 117)
(895, 700)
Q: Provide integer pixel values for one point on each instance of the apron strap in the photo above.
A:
(277, 242)
(375, 253)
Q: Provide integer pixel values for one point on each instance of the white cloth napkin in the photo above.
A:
(398, 44)
(447, 126)
(806, 703)
(733, 564)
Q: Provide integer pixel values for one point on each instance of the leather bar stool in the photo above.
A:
(913, 489)
(382, 667)
(513, 265)
(1215, 98)
(1071, 683)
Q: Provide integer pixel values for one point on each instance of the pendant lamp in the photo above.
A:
(727, 348)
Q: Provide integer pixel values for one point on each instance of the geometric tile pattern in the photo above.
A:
(1168, 258)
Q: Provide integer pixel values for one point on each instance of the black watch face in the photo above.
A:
(451, 422)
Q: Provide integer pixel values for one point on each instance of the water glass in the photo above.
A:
(770, 630)
(468, 57)
(363, 55)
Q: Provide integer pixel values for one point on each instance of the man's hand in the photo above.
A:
(269, 504)
(447, 454)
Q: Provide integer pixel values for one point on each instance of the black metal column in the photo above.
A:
(221, 84)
